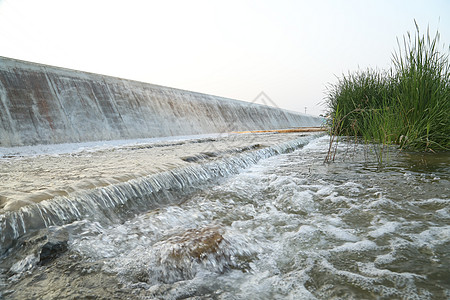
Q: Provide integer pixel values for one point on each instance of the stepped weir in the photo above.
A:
(46, 107)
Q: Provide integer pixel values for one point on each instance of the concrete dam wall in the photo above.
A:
(42, 104)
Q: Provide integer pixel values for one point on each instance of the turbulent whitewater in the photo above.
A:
(262, 221)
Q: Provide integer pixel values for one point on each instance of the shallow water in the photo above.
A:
(288, 227)
(33, 174)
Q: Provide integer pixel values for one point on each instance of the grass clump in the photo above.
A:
(409, 105)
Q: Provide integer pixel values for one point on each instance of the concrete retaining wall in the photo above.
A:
(41, 104)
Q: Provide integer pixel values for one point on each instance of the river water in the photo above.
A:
(283, 225)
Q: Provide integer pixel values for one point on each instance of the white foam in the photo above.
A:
(307, 230)
(444, 212)
(384, 259)
(341, 234)
(325, 190)
(386, 228)
(364, 245)
(433, 236)
(25, 264)
(370, 269)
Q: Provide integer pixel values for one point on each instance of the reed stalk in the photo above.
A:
(408, 105)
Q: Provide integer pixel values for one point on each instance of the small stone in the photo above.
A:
(51, 250)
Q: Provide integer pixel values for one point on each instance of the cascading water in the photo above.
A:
(119, 201)
(283, 227)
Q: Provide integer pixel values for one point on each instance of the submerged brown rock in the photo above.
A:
(196, 243)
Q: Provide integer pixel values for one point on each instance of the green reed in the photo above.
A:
(409, 105)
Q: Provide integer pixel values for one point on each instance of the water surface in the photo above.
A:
(288, 227)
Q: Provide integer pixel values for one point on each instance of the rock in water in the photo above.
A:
(52, 249)
(181, 256)
(196, 243)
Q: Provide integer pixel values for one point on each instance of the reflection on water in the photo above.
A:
(289, 227)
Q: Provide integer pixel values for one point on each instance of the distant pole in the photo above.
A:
(305, 109)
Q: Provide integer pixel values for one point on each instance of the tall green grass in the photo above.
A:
(408, 105)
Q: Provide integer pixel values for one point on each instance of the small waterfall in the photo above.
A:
(118, 202)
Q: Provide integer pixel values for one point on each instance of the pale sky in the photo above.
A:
(236, 49)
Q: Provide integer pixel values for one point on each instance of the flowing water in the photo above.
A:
(275, 223)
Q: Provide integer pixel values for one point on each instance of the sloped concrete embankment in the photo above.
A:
(41, 104)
